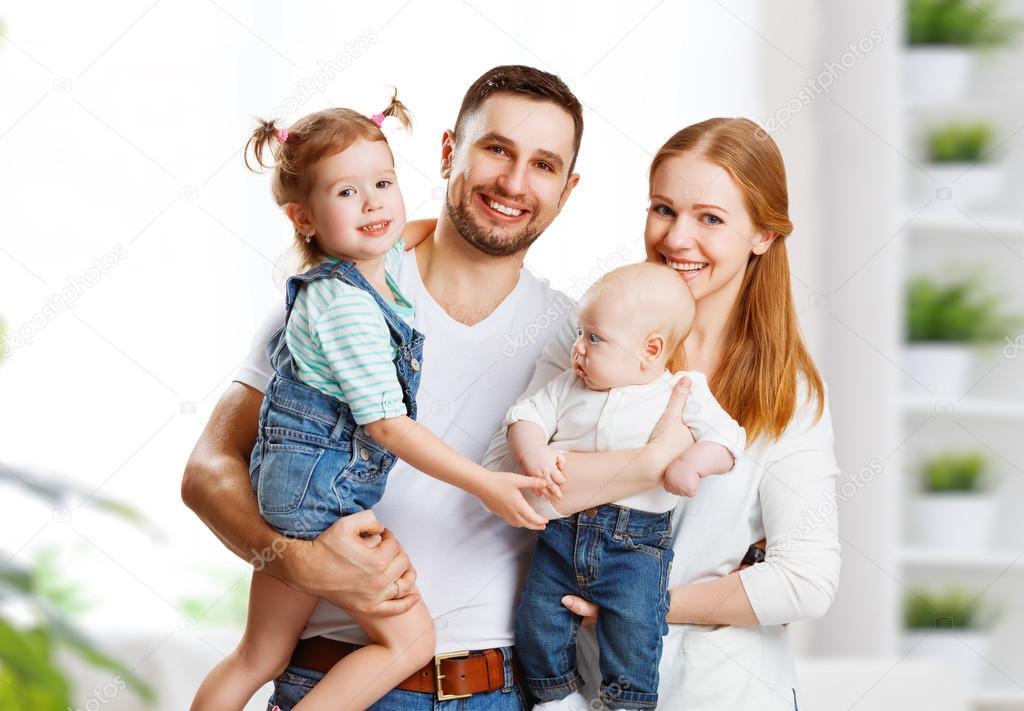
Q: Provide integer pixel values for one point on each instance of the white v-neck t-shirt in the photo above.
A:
(470, 564)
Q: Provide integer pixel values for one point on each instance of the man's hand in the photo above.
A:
(547, 463)
(584, 608)
(501, 492)
(354, 565)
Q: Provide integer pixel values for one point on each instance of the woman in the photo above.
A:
(719, 214)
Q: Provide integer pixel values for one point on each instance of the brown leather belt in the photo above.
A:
(454, 675)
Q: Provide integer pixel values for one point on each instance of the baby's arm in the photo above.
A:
(719, 440)
(501, 492)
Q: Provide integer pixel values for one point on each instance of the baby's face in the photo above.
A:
(609, 348)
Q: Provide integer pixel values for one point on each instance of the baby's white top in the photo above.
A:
(576, 418)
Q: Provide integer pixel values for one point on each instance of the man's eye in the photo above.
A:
(497, 149)
(544, 166)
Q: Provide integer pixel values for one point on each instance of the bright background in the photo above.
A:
(138, 256)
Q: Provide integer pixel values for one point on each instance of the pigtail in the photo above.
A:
(260, 143)
(397, 109)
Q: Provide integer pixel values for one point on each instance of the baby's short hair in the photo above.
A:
(655, 293)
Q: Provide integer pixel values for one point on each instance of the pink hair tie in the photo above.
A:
(377, 119)
(282, 135)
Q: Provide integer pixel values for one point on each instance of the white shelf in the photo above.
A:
(978, 408)
(1011, 696)
(951, 220)
(980, 560)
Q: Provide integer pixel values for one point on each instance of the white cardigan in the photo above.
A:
(781, 490)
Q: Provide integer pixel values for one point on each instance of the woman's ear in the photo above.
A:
(301, 218)
(762, 241)
(654, 348)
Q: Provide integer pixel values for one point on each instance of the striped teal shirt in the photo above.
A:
(341, 344)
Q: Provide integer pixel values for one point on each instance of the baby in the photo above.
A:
(617, 555)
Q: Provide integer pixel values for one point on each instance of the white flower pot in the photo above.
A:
(939, 369)
(960, 184)
(963, 521)
(966, 651)
(938, 72)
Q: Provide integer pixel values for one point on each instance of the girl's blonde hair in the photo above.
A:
(293, 151)
(756, 381)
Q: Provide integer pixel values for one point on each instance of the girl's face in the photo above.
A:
(698, 224)
(355, 208)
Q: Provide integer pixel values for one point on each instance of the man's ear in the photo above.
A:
(447, 152)
(654, 347)
(301, 218)
(762, 241)
(570, 184)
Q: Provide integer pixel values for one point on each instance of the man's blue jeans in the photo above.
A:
(290, 687)
(619, 559)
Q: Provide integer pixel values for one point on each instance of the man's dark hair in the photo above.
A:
(530, 83)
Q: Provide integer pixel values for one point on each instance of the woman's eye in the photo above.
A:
(347, 192)
(663, 210)
(383, 184)
(710, 219)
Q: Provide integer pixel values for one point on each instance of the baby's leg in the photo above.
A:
(277, 615)
(400, 646)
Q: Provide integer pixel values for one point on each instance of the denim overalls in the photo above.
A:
(312, 464)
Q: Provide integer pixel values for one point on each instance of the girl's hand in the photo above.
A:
(546, 463)
(501, 492)
(584, 608)
(417, 231)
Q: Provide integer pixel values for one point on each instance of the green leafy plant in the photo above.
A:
(954, 471)
(959, 311)
(960, 142)
(975, 23)
(30, 678)
(952, 609)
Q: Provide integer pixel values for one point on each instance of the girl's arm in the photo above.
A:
(416, 231)
(501, 492)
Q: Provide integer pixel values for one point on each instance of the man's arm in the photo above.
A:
(341, 566)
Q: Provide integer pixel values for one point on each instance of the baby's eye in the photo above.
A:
(383, 184)
(346, 192)
(594, 338)
(715, 219)
(579, 332)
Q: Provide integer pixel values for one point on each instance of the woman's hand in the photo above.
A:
(584, 608)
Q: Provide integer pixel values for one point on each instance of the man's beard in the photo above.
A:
(497, 242)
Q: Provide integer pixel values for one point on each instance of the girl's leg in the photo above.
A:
(399, 646)
(277, 615)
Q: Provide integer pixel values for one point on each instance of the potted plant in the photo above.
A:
(942, 38)
(947, 625)
(953, 510)
(959, 158)
(945, 322)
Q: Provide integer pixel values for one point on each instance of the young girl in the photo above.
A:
(342, 403)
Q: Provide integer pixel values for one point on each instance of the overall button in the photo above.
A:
(414, 363)
(592, 511)
(364, 454)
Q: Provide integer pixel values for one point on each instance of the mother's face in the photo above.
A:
(698, 224)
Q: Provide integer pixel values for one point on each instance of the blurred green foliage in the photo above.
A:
(974, 23)
(960, 142)
(952, 609)
(959, 311)
(954, 471)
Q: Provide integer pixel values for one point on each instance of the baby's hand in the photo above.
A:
(682, 478)
(547, 463)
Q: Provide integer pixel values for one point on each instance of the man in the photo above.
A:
(509, 165)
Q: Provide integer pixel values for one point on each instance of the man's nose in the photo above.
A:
(513, 179)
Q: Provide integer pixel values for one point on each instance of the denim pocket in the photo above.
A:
(285, 473)
(369, 459)
(653, 544)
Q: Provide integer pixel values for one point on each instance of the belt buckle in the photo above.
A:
(438, 676)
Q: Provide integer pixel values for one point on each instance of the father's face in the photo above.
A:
(507, 172)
